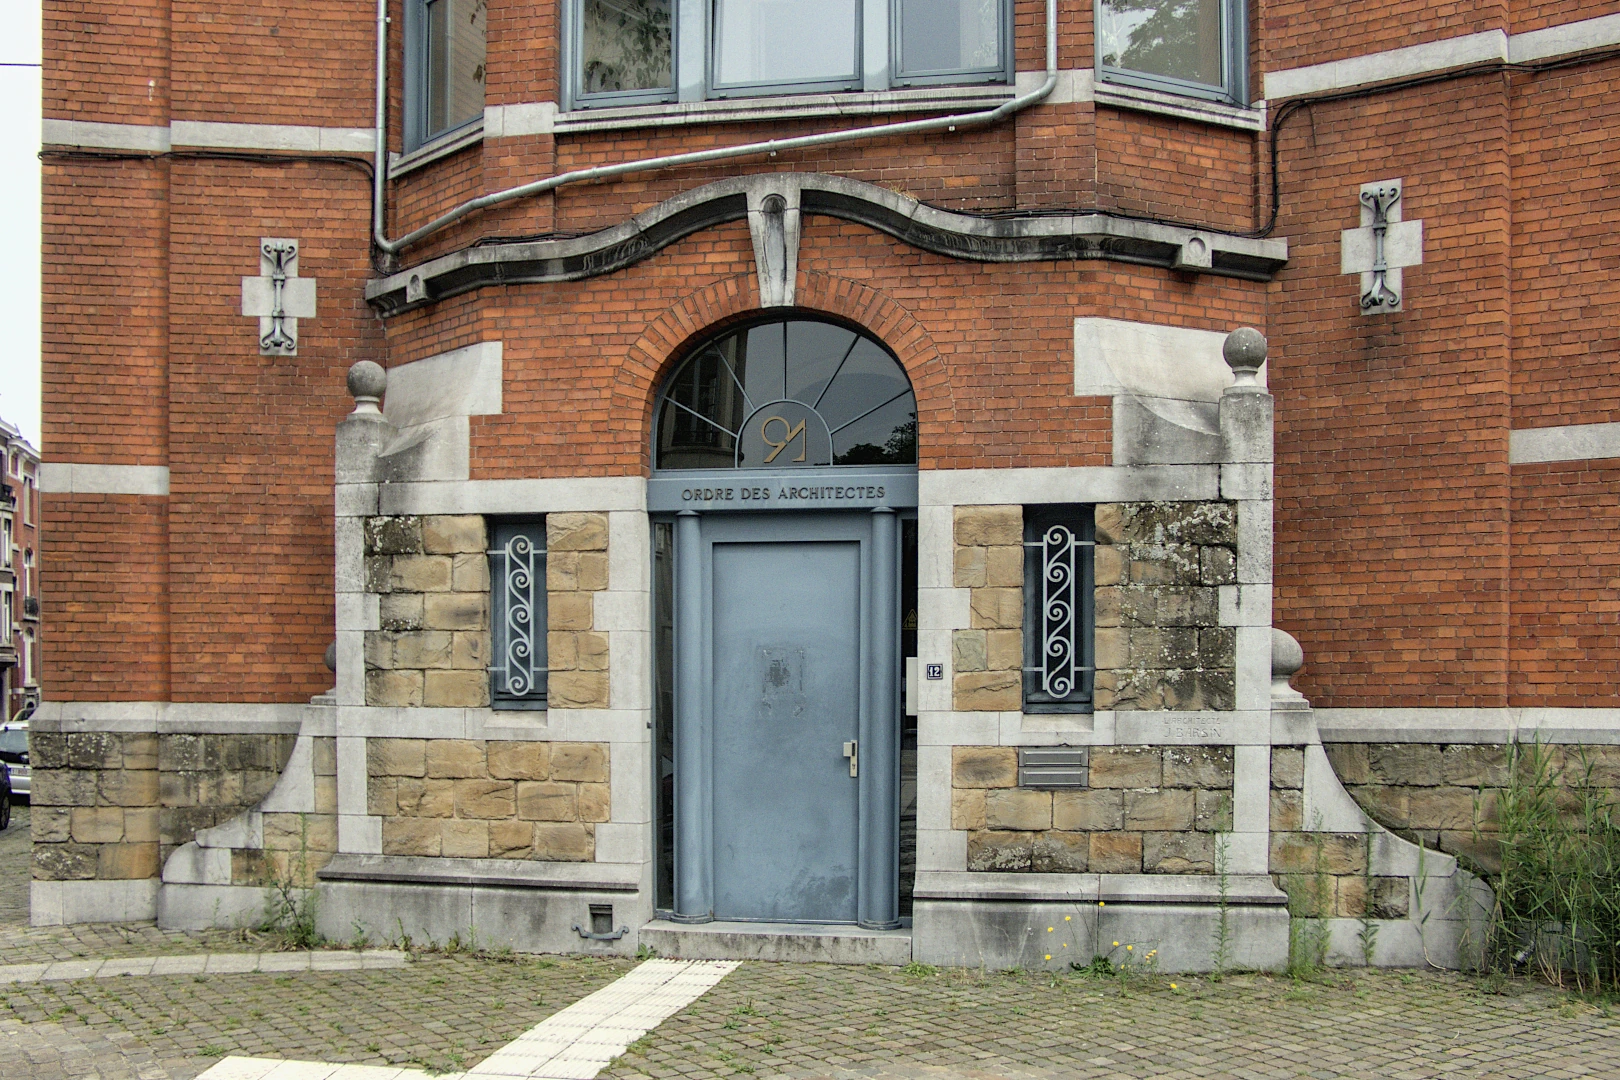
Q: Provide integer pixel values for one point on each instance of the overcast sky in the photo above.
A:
(19, 216)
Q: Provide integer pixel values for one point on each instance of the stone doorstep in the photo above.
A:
(787, 942)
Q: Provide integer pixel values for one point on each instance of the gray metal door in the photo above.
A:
(787, 700)
(787, 717)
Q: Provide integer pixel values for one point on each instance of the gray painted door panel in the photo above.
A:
(786, 697)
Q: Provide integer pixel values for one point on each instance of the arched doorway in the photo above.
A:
(783, 497)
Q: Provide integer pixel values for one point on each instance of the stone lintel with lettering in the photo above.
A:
(803, 489)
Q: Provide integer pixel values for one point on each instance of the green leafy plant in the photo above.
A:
(1222, 958)
(289, 904)
(1308, 904)
(1367, 936)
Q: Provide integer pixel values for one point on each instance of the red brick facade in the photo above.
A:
(1415, 566)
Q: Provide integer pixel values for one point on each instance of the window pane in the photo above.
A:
(856, 386)
(1058, 583)
(517, 572)
(625, 45)
(949, 35)
(886, 436)
(455, 63)
(784, 41)
(1177, 38)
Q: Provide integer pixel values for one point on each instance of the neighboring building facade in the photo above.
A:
(19, 574)
(868, 519)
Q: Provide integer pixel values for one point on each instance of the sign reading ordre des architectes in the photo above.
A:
(829, 489)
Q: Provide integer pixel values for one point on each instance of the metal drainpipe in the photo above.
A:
(603, 172)
(379, 172)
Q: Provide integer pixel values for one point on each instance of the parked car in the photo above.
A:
(14, 752)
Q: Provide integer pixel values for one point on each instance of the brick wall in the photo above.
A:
(1398, 555)
(1325, 874)
(433, 644)
(1158, 642)
(1147, 809)
(469, 799)
(576, 652)
(1445, 795)
(987, 660)
(114, 806)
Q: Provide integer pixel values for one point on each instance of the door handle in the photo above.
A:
(852, 750)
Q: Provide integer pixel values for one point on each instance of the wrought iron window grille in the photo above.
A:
(518, 616)
(1059, 670)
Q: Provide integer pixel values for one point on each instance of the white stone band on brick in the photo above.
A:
(1430, 56)
(158, 138)
(84, 478)
(1572, 442)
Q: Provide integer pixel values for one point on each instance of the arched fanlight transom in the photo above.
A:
(785, 394)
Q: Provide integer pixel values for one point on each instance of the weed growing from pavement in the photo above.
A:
(289, 903)
(1222, 953)
(1309, 904)
(1367, 936)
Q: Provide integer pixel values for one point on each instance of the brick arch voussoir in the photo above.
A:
(705, 310)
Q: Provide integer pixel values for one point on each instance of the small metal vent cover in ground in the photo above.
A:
(1054, 767)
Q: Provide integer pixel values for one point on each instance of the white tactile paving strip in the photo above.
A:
(574, 1043)
(204, 964)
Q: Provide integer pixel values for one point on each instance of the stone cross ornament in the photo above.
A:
(278, 297)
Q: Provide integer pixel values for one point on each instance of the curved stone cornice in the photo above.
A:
(1047, 238)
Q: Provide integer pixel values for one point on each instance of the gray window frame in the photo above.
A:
(1002, 73)
(415, 58)
(693, 61)
(573, 38)
(1234, 88)
(1037, 519)
(502, 532)
(838, 84)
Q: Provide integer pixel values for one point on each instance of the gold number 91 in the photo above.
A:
(778, 447)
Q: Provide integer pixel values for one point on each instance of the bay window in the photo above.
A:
(629, 52)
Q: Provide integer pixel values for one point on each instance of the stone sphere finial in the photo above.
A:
(367, 381)
(1286, 658)
(1245, 351)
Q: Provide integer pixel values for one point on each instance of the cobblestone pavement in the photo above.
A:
(772, 1020)
(22, 944)
(439, 1013)
(448, 1012)
(14, 874)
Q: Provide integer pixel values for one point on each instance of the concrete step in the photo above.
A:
(792, 942)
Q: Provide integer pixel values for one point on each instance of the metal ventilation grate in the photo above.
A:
(1054, 767)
